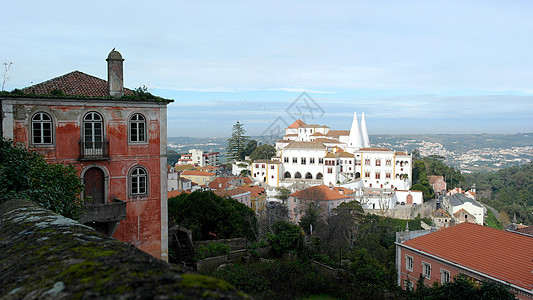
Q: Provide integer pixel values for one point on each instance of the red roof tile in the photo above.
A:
(323, 191)
(297, 124)
(74, 83)
(196, 173)
(500, 254)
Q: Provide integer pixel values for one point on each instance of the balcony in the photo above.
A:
(94, 150)
(106, 212)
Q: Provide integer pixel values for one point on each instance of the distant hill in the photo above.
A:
(467, 152)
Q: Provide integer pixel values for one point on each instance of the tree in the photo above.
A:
(263, 152)
(283, 194)
(237, 142)
(250, 147)
(428, 195)
(5, 78)
(172, 157)
(286, 237)
(27, 175)
(208, 215)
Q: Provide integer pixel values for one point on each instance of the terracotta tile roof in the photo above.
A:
(196, 173)
(500, 254)
(337, 133)
(526, 230)
(74, 83)
(435, 178)
(323, 192)
(230, 193)
(305, 145)
(283, 141)
(296, 124)
(439, 213)
(175, 193)
(219, 183)
(401, 153)
(255, 190)
(330, 155)
(344, 154)
(375, 149)
(180, 168)
(327, 141)
(318, 134)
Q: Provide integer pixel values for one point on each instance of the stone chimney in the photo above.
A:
(115, 73)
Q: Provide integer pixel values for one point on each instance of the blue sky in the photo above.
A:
(412, 66)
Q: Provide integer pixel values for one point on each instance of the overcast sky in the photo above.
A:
(412, 66)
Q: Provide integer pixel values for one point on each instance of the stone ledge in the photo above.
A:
(46, 256)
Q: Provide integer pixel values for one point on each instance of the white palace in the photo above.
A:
(314, 154)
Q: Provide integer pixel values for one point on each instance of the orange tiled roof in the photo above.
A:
(375, 149)
(255, 190)
(401, 153)
(500, 254)
(434, 178)
(305, 145)
(526, 229)
(338, 133)
(175, 193)
(297, 124)
(74, 83)
(196, 173)
(229, 193)
(323, 191)
(215, 184)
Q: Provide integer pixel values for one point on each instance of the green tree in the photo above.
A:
(250, 147)
(237, 142)
(208, 215)
(263, 152)
(27, 175)
(428, 195)
(285, 237)
(172, 157)
(283, 194)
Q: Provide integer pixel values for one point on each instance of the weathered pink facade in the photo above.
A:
(117, 145)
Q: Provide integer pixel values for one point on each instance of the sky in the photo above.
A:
(413, 67)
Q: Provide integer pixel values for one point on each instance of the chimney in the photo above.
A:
(115, 73)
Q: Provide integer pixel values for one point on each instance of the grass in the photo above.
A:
(492, 221)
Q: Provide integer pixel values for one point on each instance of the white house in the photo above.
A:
(463, 208)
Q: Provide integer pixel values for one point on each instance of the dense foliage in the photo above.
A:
(509, 190)
(211, 250)
(434, 165)
(209, 216)
(285, 237)
(237, 143)
(26, 175)
(461, 287)
(263, 152)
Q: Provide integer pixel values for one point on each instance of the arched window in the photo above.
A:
(137, 129)
(139, 181)
(357, 175)
(41, 129)
(308, 176)
(319, 176)
(297, 175)
(93, 134)
(287, 175)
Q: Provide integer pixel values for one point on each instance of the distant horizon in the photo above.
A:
(374, 134)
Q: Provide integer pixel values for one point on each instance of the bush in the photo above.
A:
(27, 175)
(211, 250)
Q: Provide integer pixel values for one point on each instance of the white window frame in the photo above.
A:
(409, 262)
(39, 124)
(426, 270)
(444, 276)
(138, 181)
(137, 123)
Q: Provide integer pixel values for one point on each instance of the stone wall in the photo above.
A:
(46, 256)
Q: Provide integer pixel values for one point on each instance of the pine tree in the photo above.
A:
(237, 142)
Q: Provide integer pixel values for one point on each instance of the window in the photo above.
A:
(303, 161)
(378, 175)
(295, 160)
(93, 133)
(320, 161)
(378, 162)
(286, 159)
(367, 162)
(367, 174)
(388, 162)
(312, 160)
(444, 276)
(330, 170)
(263, 166)
(409, 263)
(41, 126)
(387, 175)
(137, 129)
(426, 270)
(257, 165)
(272, 167)
(139, 181)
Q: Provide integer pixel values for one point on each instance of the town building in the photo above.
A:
(479, 252)
(464, 209)
(199, 158)
(239, 194)
(316, 155)
(438, 184)
(198, 177)
(114, 137)
(326, 197)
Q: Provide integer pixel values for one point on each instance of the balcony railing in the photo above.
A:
(106, 212)
(94, 150)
